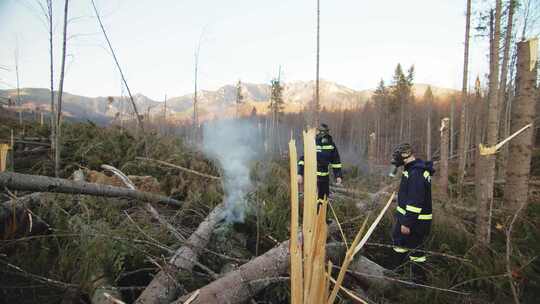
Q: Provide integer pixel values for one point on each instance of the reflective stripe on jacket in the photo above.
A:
(327, 157)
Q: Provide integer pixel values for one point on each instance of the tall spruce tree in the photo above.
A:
(276, 109)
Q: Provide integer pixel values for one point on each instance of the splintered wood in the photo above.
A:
(296, 249)
(311, 273)
(492, 150)
(4, 148)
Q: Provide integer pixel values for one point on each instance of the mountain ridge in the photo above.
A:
(296, 95)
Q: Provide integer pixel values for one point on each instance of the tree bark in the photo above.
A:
(58, 129)
(462, 146)
(452, 124)
(443, 177)
(317, 101)
(480, 110)
(49, 15)
(503, 88)
(249, 279)
(372, 152)
(164, 288)
(523, 113)
(485, 201)
(428, 128)
(38, 183)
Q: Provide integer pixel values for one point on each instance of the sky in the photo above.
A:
(247, 40)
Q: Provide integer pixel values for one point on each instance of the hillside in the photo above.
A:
(297, 95)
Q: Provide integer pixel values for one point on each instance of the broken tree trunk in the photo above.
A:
(523, 113)
(245, 282)
(372, 152)
(443, 177)
(375, 199)
(487, 163)
(249, 279)
(38, 183)
(462, 146)
(164, 288)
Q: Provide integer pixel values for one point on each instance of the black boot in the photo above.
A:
(398, 262)
(418, 273)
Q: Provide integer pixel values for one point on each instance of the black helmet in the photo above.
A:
(401, 152)
(323, 128)
(404, 148)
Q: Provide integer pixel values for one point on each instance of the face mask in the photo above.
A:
(397, 161)
(321, 134)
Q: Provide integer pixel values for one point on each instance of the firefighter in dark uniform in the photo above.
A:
(413, 213)
(327, 156)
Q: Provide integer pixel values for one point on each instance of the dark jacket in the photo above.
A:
(414, 197)
(327, 156)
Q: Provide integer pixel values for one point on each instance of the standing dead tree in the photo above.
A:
(17, 73)
(443, 179)
(504, 97)
(487, 163)
(462, 145)
(195, 100)
(47, 11)
(372, 152)
(139, 118)
(428, 99)
(51, 65)
(523, 113)
(58, 113)
(195, 127)
(316, 106)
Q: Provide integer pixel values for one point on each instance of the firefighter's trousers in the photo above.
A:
(407, 249)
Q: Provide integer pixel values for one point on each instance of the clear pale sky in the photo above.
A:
(155, 40)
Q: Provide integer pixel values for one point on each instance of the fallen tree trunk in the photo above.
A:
(244, 283)
(249, 279)
(164, 288)
(375, 198)
(348, 192)
(38, 183)
(532, 182)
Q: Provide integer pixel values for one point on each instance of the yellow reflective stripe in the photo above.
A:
(418, 259)
(400, 249)
(401, 210)
(425, 216)
(406, 174)
(328, 147)
(336, 166)
(301, 163)
(323, 173)
(427, 176)
(413, 209)
(319, 147)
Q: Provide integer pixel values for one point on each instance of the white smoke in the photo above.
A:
(234, 144)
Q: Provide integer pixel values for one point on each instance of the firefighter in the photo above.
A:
(327, 156)
(413, 213)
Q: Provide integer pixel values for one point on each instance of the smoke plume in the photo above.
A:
(234, 145)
